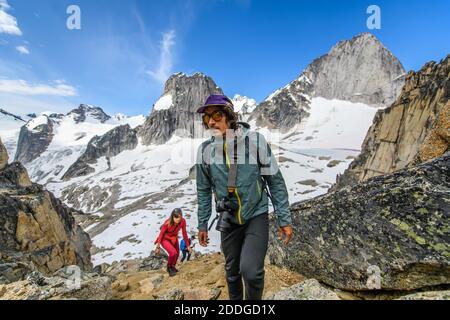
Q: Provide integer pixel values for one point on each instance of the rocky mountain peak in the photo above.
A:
(177, 107)
(110, 144)
(182, 89)
(362, 39)
(358, 70)
(85, 111)
(243, 105)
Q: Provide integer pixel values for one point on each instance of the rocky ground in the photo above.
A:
(202, 278)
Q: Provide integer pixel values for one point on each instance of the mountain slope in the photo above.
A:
(70, 136)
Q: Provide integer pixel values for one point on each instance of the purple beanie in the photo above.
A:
(216, 100)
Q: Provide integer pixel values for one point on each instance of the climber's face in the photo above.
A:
(216, 120)
(177, 219)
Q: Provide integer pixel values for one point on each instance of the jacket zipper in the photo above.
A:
(236, 190)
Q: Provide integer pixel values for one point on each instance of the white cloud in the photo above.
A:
(22, 105)
(23, 50)
(4, 5)
(165, 63)
(8, 23)
(22, 87)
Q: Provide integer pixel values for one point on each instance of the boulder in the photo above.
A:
(173, 294)
(310, 289)
(152, 262)
(147, 286)
(201, 294)
(15, 175)
(69, 283)
(390, 232)
(428, 295)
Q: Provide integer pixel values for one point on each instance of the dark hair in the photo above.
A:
(175, 213)
(231, 117)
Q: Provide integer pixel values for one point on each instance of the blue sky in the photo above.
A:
(125, 50)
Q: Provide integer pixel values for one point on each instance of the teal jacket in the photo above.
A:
(257, 170)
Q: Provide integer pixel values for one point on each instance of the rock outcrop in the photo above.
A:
(414, 129)
(432, 295)
(37, 232)
(389, 233)
(309, 289)
(68, 283)
(111, 144)
(34, 138)
(152, 262)
(286, 107)
(437, 141)
(357, 70)
(3, 156)
(176, 109)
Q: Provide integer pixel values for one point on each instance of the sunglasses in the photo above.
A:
(216, 116)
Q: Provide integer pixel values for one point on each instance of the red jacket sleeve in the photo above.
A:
(185, 236)
(161, 233)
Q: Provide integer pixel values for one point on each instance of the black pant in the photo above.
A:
(245, 248)
(185, 252)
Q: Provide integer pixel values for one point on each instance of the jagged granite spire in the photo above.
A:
(176, 109)
(357, 70)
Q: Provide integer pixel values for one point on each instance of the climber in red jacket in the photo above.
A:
(168, 238)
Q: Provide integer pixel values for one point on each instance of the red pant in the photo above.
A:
(173, 250)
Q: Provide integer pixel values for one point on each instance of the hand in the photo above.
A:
(287, 231)
(158, 250)
(190, 250)
(203, 238)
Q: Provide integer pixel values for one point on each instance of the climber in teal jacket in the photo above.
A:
(245, 240)
(251, 179)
